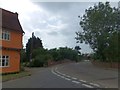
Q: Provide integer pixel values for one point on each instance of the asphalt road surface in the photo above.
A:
(98, 76)
(71, 75)
(44, 78)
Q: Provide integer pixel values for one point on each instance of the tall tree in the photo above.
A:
(33, 43)
(101, 26)
(77, 48)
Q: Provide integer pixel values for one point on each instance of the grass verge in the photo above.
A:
(15, 76)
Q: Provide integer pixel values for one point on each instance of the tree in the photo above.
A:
(101, 26)
(64, 53)
(55, 54)
(40, 58)
(77, 48)
(33, 43)
(22, 56)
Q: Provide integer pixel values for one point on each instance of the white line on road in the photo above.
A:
(58, 75)
(56, 68)
(55, 73)
(83, 81)
(95, 84)
(62, 76)
(74, 78)
(67, 76)
(87, 85)
(67, 79)
(58, 72)
(76, 82)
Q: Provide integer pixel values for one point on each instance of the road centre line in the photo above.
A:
(87, 85)
(55, 68)
(62, 76)
(83, 81)
(95, 84)
(67, 79)
(68, 76)
(74, 78)
(58, 75)
(76, 82)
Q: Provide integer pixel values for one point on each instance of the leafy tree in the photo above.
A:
(33, 43)
(77, 48)
(101, 30)
(55, 54)
(67, 53)
(64, 53)
(22, 55)
(40, 57)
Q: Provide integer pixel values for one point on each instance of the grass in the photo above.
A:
(15, 76)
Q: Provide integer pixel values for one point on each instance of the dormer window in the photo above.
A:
(5, 35)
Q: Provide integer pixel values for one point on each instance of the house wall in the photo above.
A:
(14, 61)
(15, 40)
(14, 56)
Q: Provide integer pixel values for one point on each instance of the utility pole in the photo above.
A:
(119, 5)
(31, 47)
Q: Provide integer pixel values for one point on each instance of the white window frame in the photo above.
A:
(6, 60)
(5, 35)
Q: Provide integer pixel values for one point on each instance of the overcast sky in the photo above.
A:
(54, 22)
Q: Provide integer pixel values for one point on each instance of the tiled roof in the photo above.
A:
(10, 21)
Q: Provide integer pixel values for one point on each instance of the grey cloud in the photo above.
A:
(53, 33)
(55, 7)
(58, 27)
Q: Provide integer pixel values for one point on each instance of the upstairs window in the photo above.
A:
(5, 35)
(4, 61)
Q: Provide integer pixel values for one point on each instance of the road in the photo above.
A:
(71, 75)
(43, 78)
(103, 77)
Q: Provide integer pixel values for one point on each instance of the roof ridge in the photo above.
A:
(10, 20)
(7, 11)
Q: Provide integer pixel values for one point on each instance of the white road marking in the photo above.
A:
(58, 75)
(55, 68)
(67, 76)
(74, 78)
(76, 82)
(87, 85)
(67, 79)
(83, 81)
(95, 84)
(53, 72)
(62, 76)
(58, 72)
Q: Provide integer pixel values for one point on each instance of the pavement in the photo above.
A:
(86, 71)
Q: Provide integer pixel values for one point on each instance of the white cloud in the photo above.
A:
(54, 23)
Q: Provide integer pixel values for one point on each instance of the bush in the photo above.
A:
(22, 68)
(40, 60)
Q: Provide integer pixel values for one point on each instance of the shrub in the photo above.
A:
(40, 60)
